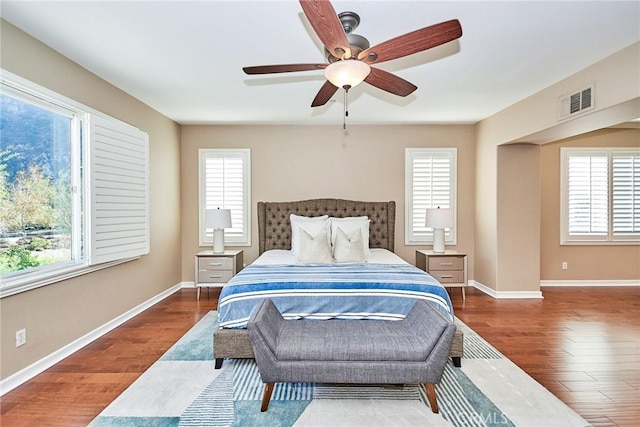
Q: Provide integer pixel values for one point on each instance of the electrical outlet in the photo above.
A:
(21, 337)
(565, 265)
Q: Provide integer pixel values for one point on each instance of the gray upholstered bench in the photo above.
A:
(409, 351)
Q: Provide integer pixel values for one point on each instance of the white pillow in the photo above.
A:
(349, 248)
(311, 224)
(350, 224)
(314, 249)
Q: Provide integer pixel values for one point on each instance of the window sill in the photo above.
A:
(600, 243)
(24, 284)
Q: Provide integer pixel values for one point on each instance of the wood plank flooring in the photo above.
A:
(583, 344)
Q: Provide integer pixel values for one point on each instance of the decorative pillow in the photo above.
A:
(349, 225)
(349, 247)
(314, 249)
(311, 224)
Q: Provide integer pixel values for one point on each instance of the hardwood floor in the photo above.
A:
(583, 344)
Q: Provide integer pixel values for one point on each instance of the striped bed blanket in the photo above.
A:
(330, 291)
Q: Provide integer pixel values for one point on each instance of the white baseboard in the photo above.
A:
(188, 284)
(505, 294)
(24, 375)
(590, 283)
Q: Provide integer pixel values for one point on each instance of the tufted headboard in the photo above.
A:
(274, 228)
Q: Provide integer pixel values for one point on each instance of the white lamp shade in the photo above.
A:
(439, 218)
(348, 72)
(217, 218)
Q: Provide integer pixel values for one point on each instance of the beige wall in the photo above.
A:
(535, 120)
(486, 221)
(518, 228)
(58, 314)
(303, 162)
(586, 262)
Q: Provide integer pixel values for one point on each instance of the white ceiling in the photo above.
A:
(185, 58)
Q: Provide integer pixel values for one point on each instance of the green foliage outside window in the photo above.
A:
(17, 258)
(35, 192)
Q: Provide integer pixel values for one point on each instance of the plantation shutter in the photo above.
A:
(601, 195)
(588, 196)
(626, 194)
(224, 184)
(430, 183)
(118, 193)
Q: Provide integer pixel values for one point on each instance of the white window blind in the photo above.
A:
(224, 183)
(626, 194)
(119, 179)
(588, 194)
(430, 182)
(600, 195)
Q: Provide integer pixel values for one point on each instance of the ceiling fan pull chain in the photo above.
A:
(346, 107)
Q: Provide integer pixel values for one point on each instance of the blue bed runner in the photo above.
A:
(330, 291)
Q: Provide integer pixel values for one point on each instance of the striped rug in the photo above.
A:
(184, 389)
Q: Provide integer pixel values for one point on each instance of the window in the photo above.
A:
(73, 188)
(430, 182)
(225, 177)
(600, 190)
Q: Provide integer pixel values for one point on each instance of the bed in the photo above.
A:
(322, 291)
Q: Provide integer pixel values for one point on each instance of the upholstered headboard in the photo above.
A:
(274, 228)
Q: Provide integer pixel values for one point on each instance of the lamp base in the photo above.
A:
(218, 240)
(438, 240)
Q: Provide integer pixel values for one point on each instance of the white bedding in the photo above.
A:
(286, 257)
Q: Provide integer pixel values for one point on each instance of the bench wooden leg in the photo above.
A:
(431, 395)
(266, 397)
(457, 361)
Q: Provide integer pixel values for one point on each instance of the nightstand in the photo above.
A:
(449, 268)
(215, 270)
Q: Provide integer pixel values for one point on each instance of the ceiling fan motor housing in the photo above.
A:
(357, 43)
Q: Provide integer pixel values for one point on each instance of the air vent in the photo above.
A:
(576, 102)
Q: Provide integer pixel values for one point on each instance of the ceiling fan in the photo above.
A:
(350, 57)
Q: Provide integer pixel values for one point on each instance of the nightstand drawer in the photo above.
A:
(453, 276)
(215, 263)
(446, 263)
(449, 268)
(214, 276)
(214, 270)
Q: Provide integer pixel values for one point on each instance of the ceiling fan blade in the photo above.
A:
(390, 82)
(325, 23)
(324, 94)
(284, 68)
(413, 42)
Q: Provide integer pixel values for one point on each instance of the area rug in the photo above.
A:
(183, 389)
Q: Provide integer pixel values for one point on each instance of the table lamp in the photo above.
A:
(218, 219)
(438, 219)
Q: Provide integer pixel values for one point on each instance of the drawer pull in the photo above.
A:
(215, 264)
(446, 263)
(447, 276)
(215, 276)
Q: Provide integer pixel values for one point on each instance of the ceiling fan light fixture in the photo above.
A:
(348, 72)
